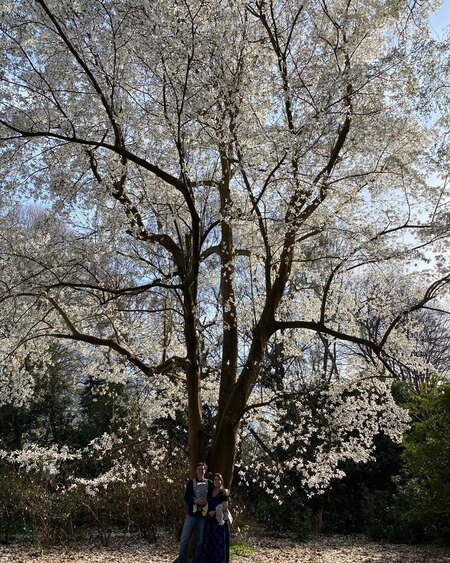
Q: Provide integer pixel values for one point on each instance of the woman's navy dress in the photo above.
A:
(216, 538)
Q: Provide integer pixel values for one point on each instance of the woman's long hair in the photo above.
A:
(221, 479)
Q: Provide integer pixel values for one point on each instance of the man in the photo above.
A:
(195, 498)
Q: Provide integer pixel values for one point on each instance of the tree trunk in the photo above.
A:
(195, 426)
(193, 377)
(223, 452)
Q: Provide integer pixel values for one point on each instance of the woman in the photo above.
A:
(216, 538)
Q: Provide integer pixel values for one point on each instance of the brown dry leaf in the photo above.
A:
(334, 549)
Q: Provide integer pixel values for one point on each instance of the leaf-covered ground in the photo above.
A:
(336, 549)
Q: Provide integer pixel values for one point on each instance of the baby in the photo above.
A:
(201, 491)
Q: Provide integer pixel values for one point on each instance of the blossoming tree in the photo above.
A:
(217, 175)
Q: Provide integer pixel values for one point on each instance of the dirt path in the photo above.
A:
(335, 549)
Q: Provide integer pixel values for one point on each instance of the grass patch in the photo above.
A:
(241, 550)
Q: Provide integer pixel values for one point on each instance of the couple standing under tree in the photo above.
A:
(207, 515)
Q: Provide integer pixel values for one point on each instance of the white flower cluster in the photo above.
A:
(122, 471)
(319, 430)
(16, 384)
(39, 459)
(131, 455)
(18, 366)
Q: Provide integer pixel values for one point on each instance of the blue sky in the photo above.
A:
(441, 18)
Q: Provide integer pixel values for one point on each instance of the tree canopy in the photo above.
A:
(216, 184)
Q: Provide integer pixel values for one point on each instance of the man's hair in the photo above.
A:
(203, 464)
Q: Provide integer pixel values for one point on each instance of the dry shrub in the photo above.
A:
(37, 505)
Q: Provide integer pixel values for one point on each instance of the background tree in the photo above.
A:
(424, 496)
